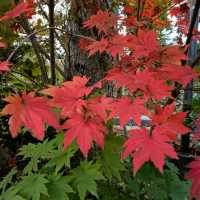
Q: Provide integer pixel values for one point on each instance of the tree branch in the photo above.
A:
(138, 10)
(193, 21)
(56, 34)
(25, 24)
(31, 35)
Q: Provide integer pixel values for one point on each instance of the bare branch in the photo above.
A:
(25, 24)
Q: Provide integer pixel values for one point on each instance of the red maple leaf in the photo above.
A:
(145, 147)
(69, 97)
(117, 45)
(194, 175)
(5, 66)
(85, 127)
(96, 46)
(151, 86)
(177, 73)
(126, 109)
(144, 44)
(79, 83)
(172, 55)
(169, 123)
(103, 21)
(31, 112)
(99, 106)
(22, 7)
(31, 6)
(122, 76)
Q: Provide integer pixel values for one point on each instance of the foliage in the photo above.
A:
(86, 179)
(85, 162)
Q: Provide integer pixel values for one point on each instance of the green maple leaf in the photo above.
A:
(7, 179)
(58, 188)
(42, 151)
(176, 187)
(32, 186)
(85, 177)
(11, 194)
(62, 158)
(110, 158)
(152, 183)
(36, 152)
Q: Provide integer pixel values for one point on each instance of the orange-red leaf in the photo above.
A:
(145, 147)
(124, 77)
(103, 21)
(84, 127)
(151, 86)
(69, 97)
(177, 73)
(31, 112)
(96, 46)
(144, 44)
(128, 109)
(172, 55)
(117, 45)
(170, 123)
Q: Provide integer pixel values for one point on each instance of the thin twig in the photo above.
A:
(25, 76)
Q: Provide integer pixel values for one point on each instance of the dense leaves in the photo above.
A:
(141, 63)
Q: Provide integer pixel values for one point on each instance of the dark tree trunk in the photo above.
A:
(52, 42)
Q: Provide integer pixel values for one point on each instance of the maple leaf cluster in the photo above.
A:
(150, 72)
(147, 69)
